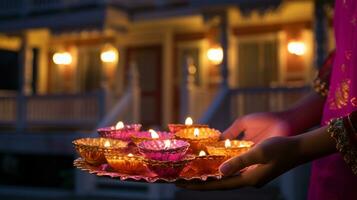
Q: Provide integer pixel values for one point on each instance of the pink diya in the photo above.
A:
(170, 169)
(93, 149)
(140, 136)
(204, 164)
(164, 150)
(127, 164)
(229, 148)
(198, 138)
(188, 124)
(119, 131)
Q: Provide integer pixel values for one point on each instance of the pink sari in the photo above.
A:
(331, 178)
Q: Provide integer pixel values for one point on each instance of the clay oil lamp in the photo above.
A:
(198, 138)
(92, 149)
(164, 150)
(229, 148)
(126, 163)
(119, 131)
(188, 124)
(140, 136)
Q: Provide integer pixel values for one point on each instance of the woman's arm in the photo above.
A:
(305, 114)
(270, 159)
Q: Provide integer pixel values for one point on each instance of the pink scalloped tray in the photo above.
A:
(150, 177)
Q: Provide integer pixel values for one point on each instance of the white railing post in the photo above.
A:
(134, 82)
(186, 86)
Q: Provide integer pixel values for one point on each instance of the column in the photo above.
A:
(320, 32)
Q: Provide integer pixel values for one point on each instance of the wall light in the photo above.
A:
(63, 58)
(297, 48)
(109, 55)
(215, 55)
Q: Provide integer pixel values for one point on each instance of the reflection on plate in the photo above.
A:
(148, 176)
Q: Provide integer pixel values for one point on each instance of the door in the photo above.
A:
(148, 61)
(258, 68)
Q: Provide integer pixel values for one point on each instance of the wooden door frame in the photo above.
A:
(157, 47)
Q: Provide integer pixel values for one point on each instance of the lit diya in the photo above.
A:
(198, 138)
(164, 150)
(229, 148)
(127, 164)
(204, 164)
(188, 124)
(93, 149)
(169, 169)
(140, 136)
(119, 131)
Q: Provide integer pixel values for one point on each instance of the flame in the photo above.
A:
(119, 125)
(167, 144)
(227, 143)
(153, 133)
(107, 144)
(202, 153)
(188, 121)
(196, 132)
(130, 155)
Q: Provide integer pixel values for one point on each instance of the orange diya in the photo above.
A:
(93, 149)
(198, 138)
(204, 164)
(169, 168)
(229, 148)
(120, 131)
(188, 124)
(140, 136)
(127, 164)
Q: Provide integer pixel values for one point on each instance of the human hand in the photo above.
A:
(258, 126)
(256, 167)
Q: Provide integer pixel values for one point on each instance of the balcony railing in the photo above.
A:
(70, 110)
(232, 103)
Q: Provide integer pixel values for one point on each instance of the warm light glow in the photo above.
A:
(297, 48)
(63, 58)
(119, 125)
(227, 143)
(109, 56)
(130, 155)
(153, 133)
(202, 153)
(215, 55)
(107, 144)
(167, 144)
(188, 121)
(196, 132)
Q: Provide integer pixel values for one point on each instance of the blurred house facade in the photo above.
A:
(71, 66)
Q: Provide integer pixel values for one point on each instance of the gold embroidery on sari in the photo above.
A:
(341, 95)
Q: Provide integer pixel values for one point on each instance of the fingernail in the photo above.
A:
(225, 168)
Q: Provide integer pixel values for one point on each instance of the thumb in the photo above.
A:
(238, 163)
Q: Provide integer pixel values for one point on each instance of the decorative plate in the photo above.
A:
(187, 174)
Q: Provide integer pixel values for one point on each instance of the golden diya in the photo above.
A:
(198, 138)
(170, 168)
(140, 136)
(164, 150)
(188, 124)
(127, 164)
(229, 148)
(120, 131)
(93, 149)
(204, 164)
